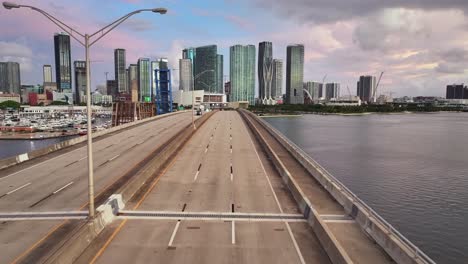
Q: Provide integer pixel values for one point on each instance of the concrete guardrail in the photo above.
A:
(393, 242)
(329, 242)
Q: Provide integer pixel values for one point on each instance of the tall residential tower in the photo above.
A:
(10, 79)
(242, 73)
(63, 70)
(295, 74)
(80, 80)
(265, 72)
(120, 70)
(185, 75)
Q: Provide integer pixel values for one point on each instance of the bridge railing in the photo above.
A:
(418, 253)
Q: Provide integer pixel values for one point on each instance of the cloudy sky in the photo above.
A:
(420, 45)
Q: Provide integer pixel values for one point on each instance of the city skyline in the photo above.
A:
(344, 46)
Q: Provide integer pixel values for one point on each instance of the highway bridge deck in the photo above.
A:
(208, 177)
(59, 182)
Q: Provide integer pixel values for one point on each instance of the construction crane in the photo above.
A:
(377, 86)
(349, 92)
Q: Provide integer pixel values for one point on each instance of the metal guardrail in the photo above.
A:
(211, 215)
(418, 253)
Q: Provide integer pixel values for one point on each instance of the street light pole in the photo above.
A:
(87, 44)
(193, 95)
(89, 131)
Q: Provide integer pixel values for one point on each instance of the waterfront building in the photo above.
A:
(366, 87)
(120, 67)
(185, 75)
(227, 91)
(144, 80)
(295, 74)
(332, 90)
(265, 72)
(63, 62)
(242, 73)
(154, 67)
(47, 73)
(206, 59)
(277, 80)
(314, 90)
(457, 91)
(219, 74)
(10, 97)
(80, 80)
(10, 78)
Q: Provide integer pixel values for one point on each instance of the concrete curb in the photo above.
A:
(395, 244)
(8, 162)
(74, 245)
(331, 245)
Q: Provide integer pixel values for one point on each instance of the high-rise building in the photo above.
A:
(315, 89)
(132, 74)
(144, 80)
(120, 66)
(205, 66)
(185, 75)
(242, 73)
(163, 91)
(189, 53)
(365, 88)
(277, 80)
(63, 62)
(47, 73)
(332, 90)
(219, 74)
(10, 78)
(112, 88)
(80, 80)
(154, 67)
(457, 91)
(265, 72)
(295, 74)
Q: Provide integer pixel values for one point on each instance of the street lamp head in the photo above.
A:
(159, 10)
(10, 5)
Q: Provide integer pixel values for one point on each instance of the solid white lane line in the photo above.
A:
(206, 150)
(82, 158)
(17, 189)
(233, 233)
(174, 234)
(196, 176)
(39, 164)
(296, 246)
(113, 158)
(59, 190)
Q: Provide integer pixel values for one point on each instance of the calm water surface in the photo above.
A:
(10, 148)
(412, 169)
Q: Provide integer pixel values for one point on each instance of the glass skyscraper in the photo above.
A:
(295, 74)
(80, 80)
(206, 59)
(47, 73)
(120, 67)
(242, 73)
(219, 74)
(10, 79)
(265, 72)
(185, 75)
(63, 62)
(144, 80)
(277, 80)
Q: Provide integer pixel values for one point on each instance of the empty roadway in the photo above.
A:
(207, 176)
(61, 183)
